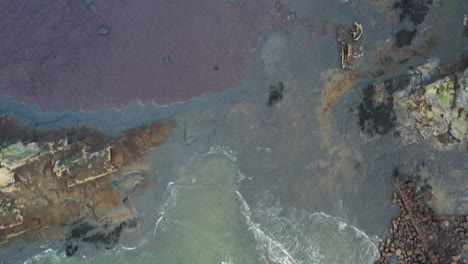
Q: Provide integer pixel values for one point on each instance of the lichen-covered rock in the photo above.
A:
(441, 93)
(438, 110)
(462, 91)
(459, 128)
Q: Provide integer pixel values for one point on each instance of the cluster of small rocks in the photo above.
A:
(420, 236)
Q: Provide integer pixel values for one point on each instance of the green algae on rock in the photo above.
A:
(441, 93)
(16, 154)
(437, 110)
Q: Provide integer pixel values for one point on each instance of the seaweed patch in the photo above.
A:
(404, 37)
(376, 111)
(276, 94)
(413, 10)
(106, 235)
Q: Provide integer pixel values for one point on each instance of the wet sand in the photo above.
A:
(156, 51)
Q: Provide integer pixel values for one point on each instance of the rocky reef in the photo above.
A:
(50, 180)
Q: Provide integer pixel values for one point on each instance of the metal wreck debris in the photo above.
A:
(349, 38)
(357, 34)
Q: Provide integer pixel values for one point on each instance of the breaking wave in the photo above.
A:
(170, 202)
(49, 255)
(290, 236)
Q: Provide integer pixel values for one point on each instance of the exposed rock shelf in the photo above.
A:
(49, 182)
(438, 110)
(429, 103)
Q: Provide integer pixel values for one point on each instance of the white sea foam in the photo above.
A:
(49, 255)
(275, 250)
(171, 192)
(171, 200)
(122, 247)
(288, 235)
(221, 150)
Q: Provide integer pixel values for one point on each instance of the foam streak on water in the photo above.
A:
(49, 255)
(220, 150)
(275, 250)
(171, 194)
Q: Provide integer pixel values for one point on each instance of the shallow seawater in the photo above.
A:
(205, 219)
(204, 223)
(242, 182)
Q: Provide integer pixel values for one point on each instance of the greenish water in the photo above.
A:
(206, 225)
(206, 220)
(202, 222)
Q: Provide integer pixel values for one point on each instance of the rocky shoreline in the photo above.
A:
(418, 235)
(429, 103)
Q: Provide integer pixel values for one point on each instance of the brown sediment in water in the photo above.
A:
(46, 186)
(338, 82)
(337, 85)
(418, 235)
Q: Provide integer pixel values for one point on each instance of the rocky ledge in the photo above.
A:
(51, 180)
(429, 103)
